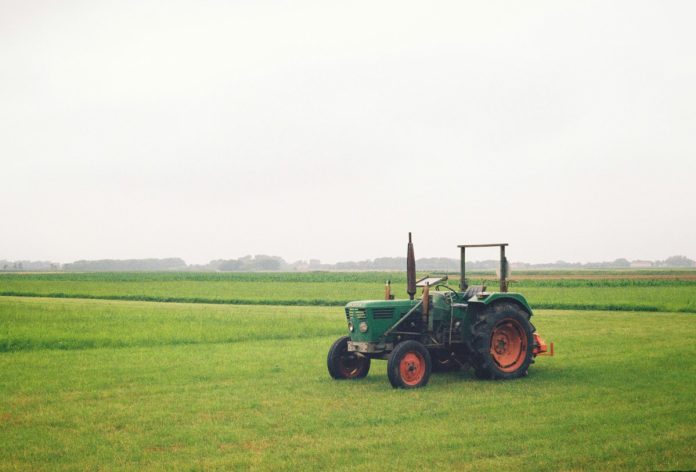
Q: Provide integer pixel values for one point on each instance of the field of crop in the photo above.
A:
(664, 291)
(113, 384)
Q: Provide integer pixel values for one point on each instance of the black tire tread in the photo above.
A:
(482, 362)
(399, 351)
(338, 348)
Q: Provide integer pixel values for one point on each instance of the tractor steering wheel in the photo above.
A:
(454, 292)
(447, 287)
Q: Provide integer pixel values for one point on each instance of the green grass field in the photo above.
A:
(111, 384)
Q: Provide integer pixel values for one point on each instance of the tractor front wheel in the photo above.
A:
(409, 365)
(343, 364)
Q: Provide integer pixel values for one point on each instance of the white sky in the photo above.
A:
(329, 130)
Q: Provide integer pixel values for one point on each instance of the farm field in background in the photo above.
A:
(604, 290)
(89, 384)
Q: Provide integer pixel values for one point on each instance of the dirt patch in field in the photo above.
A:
(256, 446)
(6, 418)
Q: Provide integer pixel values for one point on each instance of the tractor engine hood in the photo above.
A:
(382, 304)
(370, 319)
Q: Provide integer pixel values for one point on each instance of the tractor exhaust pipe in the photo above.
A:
(410, 269)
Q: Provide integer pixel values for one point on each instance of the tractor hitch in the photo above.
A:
(541, 348)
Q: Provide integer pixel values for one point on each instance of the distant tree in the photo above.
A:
(256, 263)
(266, 263)
(434, 263)
(233, 265)
(347, 266)
(679, 261)
(621, 263)
(127, 265)
(389, 263)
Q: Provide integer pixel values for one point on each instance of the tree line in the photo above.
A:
(264, 263)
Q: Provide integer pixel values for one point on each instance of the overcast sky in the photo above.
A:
(328, 130)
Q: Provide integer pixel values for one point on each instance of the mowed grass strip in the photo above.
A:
(269, 292)
(618, 395)
(292, 290)
(36, 323)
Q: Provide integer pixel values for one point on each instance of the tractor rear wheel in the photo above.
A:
(409, 365)
(343, 364)
(502, 342)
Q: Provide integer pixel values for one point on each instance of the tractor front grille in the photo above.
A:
(382, 313)
(355, 312)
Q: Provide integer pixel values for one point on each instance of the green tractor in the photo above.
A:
(445, 330)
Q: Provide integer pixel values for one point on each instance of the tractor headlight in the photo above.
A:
(363, 327)
(351, 328)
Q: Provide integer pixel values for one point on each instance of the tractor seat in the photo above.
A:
(473, 290)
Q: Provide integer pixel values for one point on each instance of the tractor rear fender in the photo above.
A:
(501, 297)
(479, 303)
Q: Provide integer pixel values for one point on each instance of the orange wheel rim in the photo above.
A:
(412, 368)
(508, 345)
